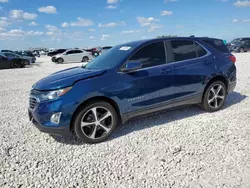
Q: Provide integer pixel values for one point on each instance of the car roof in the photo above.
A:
(141, 42)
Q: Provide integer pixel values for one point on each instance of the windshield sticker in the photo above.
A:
(125, 48)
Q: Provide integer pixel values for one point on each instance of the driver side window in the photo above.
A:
(150, 55)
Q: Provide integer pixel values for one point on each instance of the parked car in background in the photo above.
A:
(7, 63)
(73, 56)
(130, 80)
(27, 60)
(58, 51)
(36, 53)
(42, 52)
(6, 51)
(95, 51)
(25, 53)
(106, 48)
(239, 45)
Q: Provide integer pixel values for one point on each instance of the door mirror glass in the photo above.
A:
(132, 66)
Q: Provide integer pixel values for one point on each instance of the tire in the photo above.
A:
(95, 131)
(85, 59)
(60, 60)
(16, 64)
(26, 62)
(213, 100)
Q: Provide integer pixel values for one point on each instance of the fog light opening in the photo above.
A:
(55, 118)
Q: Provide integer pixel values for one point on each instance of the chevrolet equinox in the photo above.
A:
(130, 80)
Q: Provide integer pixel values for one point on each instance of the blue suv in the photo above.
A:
(130, 80)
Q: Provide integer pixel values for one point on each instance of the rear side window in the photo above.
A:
(78, 51)
(71, 52)
(150, 55)
(217, 44)
(183, 50)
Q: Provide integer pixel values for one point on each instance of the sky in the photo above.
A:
(89, 23)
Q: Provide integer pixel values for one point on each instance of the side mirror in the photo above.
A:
(132, 66)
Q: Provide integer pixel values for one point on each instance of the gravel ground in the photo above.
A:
(185, 147)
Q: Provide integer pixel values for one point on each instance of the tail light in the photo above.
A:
(232, 58)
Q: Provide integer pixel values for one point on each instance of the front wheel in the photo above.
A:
(95, 122)
(214, 97)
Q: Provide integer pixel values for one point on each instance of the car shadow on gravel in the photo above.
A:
(158, 118)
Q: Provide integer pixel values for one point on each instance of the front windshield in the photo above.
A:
(111, 58)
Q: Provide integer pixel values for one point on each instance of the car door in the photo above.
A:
(4, 63)
(248, 44)
(192, 66)
(69, 56)
(150, 86)
(78, 55)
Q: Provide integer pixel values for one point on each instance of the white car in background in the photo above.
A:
(73, 56)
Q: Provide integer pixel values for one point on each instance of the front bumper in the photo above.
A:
(40, 115)
(62, 131)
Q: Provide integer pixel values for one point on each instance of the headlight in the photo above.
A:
(54, 94)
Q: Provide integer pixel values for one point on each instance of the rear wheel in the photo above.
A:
(214, 97)
(60, 60)
(95, 122)
(85, 59)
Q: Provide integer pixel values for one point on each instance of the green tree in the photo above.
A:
(166, 36)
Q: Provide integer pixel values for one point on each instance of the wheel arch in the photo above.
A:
(214, 79)
(95, 99)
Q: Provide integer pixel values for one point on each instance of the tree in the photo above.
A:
(166, 36)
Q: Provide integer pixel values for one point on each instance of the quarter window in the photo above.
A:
(183, 50)
(150, 55)
(200, 50)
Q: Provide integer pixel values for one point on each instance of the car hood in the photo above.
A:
(66, 78)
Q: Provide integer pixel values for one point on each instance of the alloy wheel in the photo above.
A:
(96, 122)
(216, 96)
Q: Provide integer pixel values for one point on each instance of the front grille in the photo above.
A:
(35, 92)
(32, 103)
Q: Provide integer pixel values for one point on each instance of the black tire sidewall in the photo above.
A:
(77, 121)
(205, 104)
(60, 60)
(15, 64)
(85, 59)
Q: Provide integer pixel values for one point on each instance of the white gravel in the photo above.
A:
(184, 147)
